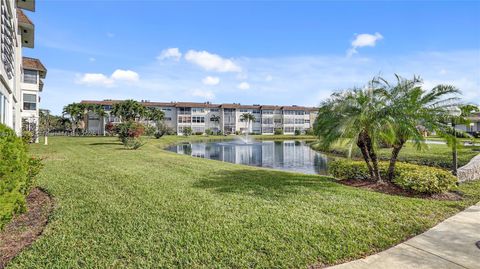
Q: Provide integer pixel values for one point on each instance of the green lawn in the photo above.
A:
(433, 155)
(154, 209)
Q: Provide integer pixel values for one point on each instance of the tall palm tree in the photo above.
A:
(357, 117)
(247, 118)
(409, 106)
(76, 113)
(216, 119)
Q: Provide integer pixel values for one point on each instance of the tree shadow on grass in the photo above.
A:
(105, 143)
(267, 184)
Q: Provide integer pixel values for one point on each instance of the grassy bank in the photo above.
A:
(154, 209)
(434, 155)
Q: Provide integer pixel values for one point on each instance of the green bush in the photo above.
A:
(27, 137)
(187, 131)
(309, 131)
(278, 131)
(421, 179)
(150, 130)
(129, 133)
(298, 132)
(17, 171)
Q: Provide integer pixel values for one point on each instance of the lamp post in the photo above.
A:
(454, 113)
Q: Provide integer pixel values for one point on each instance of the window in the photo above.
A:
(299, 112)
(198, 119)
(184, 111)
(299, 121)
(289, 129)
(267, 121)
(268, 130)
(29, 101)
(166, 109)
(243, 110)
(30, 76)
(256, 111)
(267, 111)
(168, 119)
(198, 110)
(214, 110)
(288, 112)
(184, 119)
(278, 120)
(288, 121)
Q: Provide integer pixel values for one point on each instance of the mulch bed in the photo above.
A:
(392, 189)
(24, 229)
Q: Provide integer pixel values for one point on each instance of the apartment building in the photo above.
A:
(32, 85)
(218, 117)
(17, 32)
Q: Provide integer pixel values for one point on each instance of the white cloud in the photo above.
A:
(206, 94)
(364, 40)
(173, 53)
(98, 79)
(243, 86)
(211, 62)
(125, 75)
(95, 79)
(268, 78)
(92, 59)
(211, 81)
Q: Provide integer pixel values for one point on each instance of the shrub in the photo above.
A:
(27, 137)
(309, 131)
(129, 133)
(421, 179)
(150, 130)
(187, 131)
(111, 129)
(278, 131)
(198, 133)
(298, 132)
(209, 132)
(17, 171)
(158, 134)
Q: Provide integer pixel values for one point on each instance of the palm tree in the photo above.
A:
(76, 113)
(357, 117)
(409, 106)
(216, 119)
(247, 117)
(101, 113)
(128, 110)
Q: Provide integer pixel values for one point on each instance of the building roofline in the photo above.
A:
(204, 105)
(34, 64)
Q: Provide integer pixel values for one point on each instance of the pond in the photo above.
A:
(291, 155)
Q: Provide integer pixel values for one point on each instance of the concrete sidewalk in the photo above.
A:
(449, 245)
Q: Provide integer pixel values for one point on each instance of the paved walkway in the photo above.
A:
(449, 245)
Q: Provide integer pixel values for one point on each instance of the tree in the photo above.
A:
(101, 113)
(357, 117)
(216, 119)
(128, 110)
(154, 114)
(76, 113)
(247, 118)
(409, 106)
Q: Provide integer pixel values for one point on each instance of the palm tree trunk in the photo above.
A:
(393, 160)
(366, 156)
(373, 157)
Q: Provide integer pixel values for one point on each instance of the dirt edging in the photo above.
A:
(24, 229)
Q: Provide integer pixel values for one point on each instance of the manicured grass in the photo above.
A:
(434, 155)
(152, 208)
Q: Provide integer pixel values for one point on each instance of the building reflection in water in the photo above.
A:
(286, 155)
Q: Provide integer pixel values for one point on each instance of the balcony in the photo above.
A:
(27, 29)
(34, 64)
(26, 4)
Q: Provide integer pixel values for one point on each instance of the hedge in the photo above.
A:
(16, 173)
(417, 178)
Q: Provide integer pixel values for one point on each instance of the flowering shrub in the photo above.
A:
(417, 178)
(129, 133)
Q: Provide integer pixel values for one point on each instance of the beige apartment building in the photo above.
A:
(217, 117)
(17, 32)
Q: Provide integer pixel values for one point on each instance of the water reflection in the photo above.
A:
(286, 155)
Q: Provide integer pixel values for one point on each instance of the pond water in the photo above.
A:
(288, 155)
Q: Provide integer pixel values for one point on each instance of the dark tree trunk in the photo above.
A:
(393, 160)
(364, 149)
(373, 156)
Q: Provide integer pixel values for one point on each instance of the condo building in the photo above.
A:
(16, 93)
(225, 118)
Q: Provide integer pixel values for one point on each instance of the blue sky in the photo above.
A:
(250, 52)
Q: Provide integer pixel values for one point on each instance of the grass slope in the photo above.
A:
(154, 209)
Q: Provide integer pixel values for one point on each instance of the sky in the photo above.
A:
(286, 53)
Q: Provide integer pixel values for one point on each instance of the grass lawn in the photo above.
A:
(434, 155)
(153, 209)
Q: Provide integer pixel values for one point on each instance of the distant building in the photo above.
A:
(17, 31)
(217, 117)
(473, 127)
(32, 86)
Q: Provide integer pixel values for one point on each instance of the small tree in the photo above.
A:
(187, 131)
(247, 118)
(128, 110)
(76, 113)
